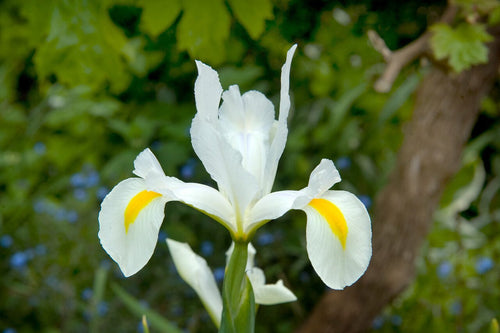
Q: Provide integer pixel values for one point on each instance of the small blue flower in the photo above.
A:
(366, 200)
(105, 263)
(343, 162)
(219, 274)
(9, 330)
(188, 169)
(80, 194)
(87, 294)
(207, 248)
(39, 206)
(71, 216)
(484, 264)
(396, 320)
(456, 308)
(102, 308)
(78, 180)
(102, 192)
(155, 145)
(53, 282)
(60, 214)
(6, 241)
(40, 250)
(92, 179)
(444, 269)
(265, 239)
(39, 148)
(140, 327)
(378, 322)
(19, 260)
(162, 236)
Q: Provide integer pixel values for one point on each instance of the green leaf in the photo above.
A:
(203, 29)
(494, 17)
(463, 46)
(252, 14)
(76, 51)
(154, 319)
(158, 15)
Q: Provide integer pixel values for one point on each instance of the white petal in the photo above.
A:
(324, 176)
(223, 163)
(337, 266)
(208, 200)
(232, 109)
(278, 140)
(268, 294)
(201, 197)
(146, 163)
(275, 204)
(245, 123)
(195, 272)
(271, 207)
(207, 91)
(285, 85)
(130, 249)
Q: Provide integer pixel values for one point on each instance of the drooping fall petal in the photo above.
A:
(195, 272)
(338, 235)
(129, 222)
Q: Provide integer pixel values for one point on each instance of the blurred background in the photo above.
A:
(86, 85)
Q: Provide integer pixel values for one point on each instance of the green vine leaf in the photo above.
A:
(203, 29)
(463, 46)
(158, 15)
(252, 15)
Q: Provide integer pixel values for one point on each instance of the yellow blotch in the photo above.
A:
(333, 216)
(134, 207)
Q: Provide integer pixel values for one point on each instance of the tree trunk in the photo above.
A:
(446, 109)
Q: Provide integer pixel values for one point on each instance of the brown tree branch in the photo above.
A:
(446, 109)
(400, 58)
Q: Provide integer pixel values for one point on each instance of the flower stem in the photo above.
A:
(238, 313)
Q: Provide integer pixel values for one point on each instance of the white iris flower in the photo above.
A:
(239, 143)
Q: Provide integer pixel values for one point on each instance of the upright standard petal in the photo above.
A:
(285, 85)
(224, 164)
(246, 122)
(278, 140)
(207, 91)
(195, 272)
(129, 222)
(338, 235)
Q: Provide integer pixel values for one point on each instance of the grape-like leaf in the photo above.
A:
(463, 46)
(252, 14)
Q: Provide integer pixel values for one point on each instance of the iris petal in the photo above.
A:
(336, 265)
(132, 248)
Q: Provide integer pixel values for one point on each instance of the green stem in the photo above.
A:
(238, 314)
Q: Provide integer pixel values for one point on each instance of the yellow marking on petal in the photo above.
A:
(333, 216)
(134, 207)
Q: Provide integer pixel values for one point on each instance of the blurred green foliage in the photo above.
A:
(86, 85)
